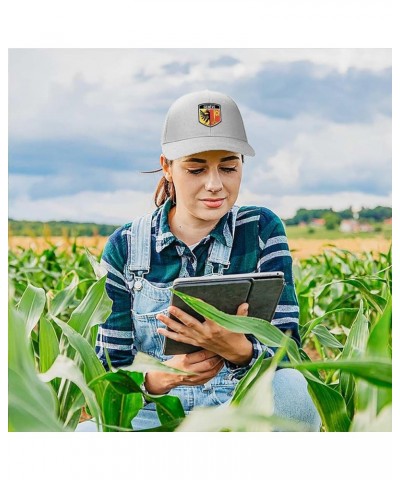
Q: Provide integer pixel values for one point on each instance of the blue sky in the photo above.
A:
(83, 123)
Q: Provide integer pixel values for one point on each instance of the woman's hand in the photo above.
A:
(205, 363)
(232, 346)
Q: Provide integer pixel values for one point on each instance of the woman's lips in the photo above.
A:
(213, 203)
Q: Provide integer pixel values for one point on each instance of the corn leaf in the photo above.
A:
(144, 363)
(62, 300)
(94, 309)
(379, 339)
(31, 306)
(355, 346)
(65, 368)
(325, 337)
(119, 409)
(93, 367)
(48, 347)
(32, 405)
(375, 371)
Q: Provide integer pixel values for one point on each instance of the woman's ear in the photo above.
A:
(166, 167)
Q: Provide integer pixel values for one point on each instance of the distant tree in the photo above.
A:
(346, 214)
(378, 213)
(332, 220)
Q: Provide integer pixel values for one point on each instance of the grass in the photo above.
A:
(321, 233)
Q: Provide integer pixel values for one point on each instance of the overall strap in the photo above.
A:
(221, 253)
(139, 249)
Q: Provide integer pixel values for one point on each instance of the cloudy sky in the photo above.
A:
(83, 123)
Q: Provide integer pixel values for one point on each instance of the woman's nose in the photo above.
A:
(213, 183)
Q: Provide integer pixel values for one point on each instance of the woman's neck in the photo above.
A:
(187, 228)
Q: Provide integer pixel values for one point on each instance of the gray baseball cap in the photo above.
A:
(203, 121)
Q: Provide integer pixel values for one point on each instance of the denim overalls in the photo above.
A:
(148, 300)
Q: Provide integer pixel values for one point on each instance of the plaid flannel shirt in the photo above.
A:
(259, 244)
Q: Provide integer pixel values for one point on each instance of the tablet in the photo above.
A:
(260, 290)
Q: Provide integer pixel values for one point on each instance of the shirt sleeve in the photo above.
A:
(116, 334)
(275, 256)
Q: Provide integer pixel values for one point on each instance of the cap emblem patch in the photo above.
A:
(209, 114)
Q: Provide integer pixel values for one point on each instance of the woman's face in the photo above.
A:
(206, 184)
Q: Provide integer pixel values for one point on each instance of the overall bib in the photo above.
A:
(148, 300)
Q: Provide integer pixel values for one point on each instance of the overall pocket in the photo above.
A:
(147, 303)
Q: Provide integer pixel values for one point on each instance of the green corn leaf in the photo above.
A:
(48, 348)
(94, 309)
(48, 344)
(169, 408)
(311, 325)
(380, 423)
(65, 368)
(120, 381)
(375, 371)
(74, 412)
(144, 363)
(31, 408)
(375, 300)
(325, 337)
(119, 409)
(93, 367)
(379, 339)
(355, 346)
(63, 298)
(248, 380)
(98, 269)
(32, 405)
(330, 405)
(31, 306)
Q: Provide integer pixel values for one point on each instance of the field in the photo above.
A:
(301, 247)
(57, 300)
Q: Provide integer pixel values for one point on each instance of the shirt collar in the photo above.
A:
(222, 232)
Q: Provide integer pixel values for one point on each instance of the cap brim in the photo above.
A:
(183, 148)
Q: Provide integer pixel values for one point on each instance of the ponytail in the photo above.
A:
(164, 189)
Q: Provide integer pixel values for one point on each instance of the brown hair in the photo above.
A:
(164, 189)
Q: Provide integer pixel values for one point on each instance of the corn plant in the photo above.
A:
(54, 371)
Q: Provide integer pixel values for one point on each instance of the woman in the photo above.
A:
(197, 230)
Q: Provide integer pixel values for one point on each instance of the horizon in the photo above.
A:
(116, 225)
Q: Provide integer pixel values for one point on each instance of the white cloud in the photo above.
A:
(326, 155)
(116, 207)
(96, 92)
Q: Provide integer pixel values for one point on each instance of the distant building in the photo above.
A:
(317, 222)
(366, 227)
(354, 226)
(349, 226)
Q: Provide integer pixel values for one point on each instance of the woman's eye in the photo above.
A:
(229, 170)
(196, 172)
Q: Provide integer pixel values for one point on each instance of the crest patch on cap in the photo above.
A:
(209, 114)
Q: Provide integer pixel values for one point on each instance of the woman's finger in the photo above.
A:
(243, 309)
(172, 324)
(177, 336)
(185, 318)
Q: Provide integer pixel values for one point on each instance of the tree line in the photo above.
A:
(58, 228)
(377, 214)
(73, 229)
